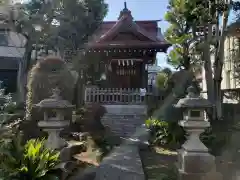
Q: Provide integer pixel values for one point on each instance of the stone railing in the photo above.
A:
(116, 95)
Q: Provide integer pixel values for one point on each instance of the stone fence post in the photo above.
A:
(194, 160)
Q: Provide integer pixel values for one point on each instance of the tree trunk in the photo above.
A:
(208, 74)
(208, 64)
(217, 85)
(79, 91)
(19, 81)
(219, 60)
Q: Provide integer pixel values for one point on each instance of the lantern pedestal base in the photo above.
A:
(53, 128)
(54, 141)
(200, 176)
(197, 166)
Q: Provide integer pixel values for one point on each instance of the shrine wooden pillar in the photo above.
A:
(143, 75)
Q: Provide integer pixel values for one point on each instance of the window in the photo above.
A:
(3, 38)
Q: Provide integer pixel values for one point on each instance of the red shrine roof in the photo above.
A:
(127, 33)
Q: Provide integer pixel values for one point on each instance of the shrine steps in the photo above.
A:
(123, 120)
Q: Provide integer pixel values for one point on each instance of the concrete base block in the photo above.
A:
(212, 175)
(197, 166)
(195, 162)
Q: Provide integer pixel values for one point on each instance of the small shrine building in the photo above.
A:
(124, 48)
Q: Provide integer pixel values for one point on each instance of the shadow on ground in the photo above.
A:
(157, 162)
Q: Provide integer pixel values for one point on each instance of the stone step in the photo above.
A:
(123, 125)
(124, 119)
(126, 109)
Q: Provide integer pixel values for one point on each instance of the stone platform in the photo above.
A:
(124, 119)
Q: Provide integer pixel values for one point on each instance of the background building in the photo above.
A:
(231, 68)
(11, 49)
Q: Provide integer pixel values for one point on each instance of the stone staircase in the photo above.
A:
(124, 119)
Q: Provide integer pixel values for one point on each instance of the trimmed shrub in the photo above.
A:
(91, 120)
(47, 74)
(167, 134)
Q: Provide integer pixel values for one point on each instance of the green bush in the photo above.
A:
(6, 101)
(10, 106)
(162, 80)
(214, 140)
(45, 76)
(164, 133)
(171, 135)
(81, 111)
(32, 161)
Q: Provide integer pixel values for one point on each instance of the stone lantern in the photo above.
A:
(54, 109)
(194, 160)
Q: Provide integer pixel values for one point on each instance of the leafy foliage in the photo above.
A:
(186, 32)
(163, 78)
(54, 25)
(6, 101)
(178, 34)
(79, 20)
(197, 30)
(215, 140)
(164, 83)
(33, 21)
(164, 133)
(171, 135)
(45, 76)
(31, 161)
(61, 22)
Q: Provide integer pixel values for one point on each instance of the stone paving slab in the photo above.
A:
(123, 164)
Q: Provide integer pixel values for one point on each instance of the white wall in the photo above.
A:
(15, 46)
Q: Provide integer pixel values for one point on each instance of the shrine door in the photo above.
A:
(125, 76)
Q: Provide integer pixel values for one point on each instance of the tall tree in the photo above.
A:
(78, 22)
(62, 24)
(24, 19)
(205, 25)
(178, 34)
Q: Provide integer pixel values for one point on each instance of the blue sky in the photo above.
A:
(141, 10)
(144, 10)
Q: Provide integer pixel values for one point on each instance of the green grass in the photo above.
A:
(159, 163)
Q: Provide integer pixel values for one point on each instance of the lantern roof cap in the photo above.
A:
(55, 101)
(193, 100)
